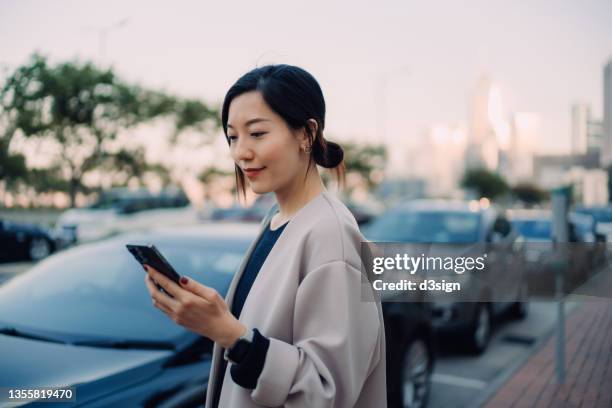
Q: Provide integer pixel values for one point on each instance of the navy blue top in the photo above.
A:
(247, 372)
(258, 257)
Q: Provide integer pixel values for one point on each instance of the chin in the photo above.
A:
(259, 189)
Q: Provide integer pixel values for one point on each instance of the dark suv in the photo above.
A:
(502, 288)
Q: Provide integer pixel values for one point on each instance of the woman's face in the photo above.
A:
(261, 139)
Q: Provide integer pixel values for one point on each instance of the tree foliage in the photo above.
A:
(82, 109)
(529, 193)
(485, 183)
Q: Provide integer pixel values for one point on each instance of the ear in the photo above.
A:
(304, 140)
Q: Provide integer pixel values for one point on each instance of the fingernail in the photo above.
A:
(184, 280)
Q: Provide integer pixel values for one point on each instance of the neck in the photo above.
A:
(292, 198)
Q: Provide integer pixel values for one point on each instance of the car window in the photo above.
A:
(536, 229)
(99, 290)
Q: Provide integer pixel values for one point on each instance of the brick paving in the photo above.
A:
(588, 374)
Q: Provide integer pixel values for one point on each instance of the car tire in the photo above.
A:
(479, 331)
(39, 248)
(411, 377)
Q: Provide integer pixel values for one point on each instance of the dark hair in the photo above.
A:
(295, 95)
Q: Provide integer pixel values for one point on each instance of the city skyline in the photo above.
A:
(544, 56)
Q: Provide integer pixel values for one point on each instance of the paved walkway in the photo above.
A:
(588, 375)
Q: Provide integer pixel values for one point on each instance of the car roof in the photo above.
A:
(529, 214)
(214, 231)
(436, 205)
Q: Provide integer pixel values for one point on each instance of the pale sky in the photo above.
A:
(544, 54)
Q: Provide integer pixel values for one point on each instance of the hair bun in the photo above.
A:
(331, 157)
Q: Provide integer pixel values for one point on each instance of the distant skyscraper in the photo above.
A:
(488, 128)
(581, 113)
(443, 165)
(526, 132)
(607, 115)
(594, 135)
(587, 133)
(480, 124)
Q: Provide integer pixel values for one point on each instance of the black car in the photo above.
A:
(22, 241)
(410, 348)
(83, 318)
(410, 352)
(442, 224)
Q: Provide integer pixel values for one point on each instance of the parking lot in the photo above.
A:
(461, 380)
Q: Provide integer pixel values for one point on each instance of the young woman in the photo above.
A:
(293, 328)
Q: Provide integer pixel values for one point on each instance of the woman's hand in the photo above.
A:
(196, 307)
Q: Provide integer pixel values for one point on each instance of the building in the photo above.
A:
(607, 116)
(485, 111)
(586, 132)
(581, 113)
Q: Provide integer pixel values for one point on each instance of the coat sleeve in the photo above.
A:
(335, 336)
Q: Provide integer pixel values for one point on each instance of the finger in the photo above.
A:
(162, 307)
(207, 293)
(161, 279)
(165, 300)
(150, 285)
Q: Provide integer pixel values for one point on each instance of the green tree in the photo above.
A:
(529, 193)
(82, 109)
(212, 175)
(365, 160)
(485, 183)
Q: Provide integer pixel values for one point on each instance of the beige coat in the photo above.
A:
(327, 345)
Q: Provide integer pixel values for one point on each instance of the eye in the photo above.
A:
(231, 138)
(258, 134)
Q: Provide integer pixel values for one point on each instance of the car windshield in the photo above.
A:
(98, 290)
(423, 226)
(534, 229)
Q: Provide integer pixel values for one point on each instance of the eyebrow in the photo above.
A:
(251, 121)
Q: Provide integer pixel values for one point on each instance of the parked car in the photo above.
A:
(22, 241)
(84, 318)
(502, 288)
(363, 212)
(602, 216)
(410, 351)
(237, 213)
(122, 210)
(585, 250)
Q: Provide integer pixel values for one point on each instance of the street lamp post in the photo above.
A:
(103, 33)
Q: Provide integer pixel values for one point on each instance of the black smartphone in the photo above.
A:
(150, 255)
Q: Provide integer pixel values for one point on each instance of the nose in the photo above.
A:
(242, 150)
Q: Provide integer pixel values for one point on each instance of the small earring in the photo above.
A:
(307, 149)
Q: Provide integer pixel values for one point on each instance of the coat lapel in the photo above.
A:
(217, 355)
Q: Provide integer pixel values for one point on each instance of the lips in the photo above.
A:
(253, 172)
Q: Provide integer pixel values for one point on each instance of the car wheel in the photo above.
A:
(479, 332)
(409, 367)
(416, 374)
(520, 308)
(39, 248)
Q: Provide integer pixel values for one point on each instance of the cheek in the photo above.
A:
(280, 154)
